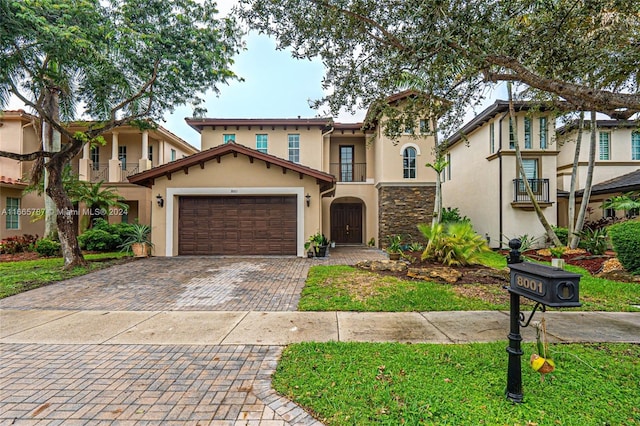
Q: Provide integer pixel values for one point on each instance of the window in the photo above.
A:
(228, 137)
(607, 213)
(346, 163)
(94, 154)
(122, 156)
(449, 166)
(512, 136)
(424, 125)
(527, 133)
(173, 155)
(294, 148)
(635, 146)
(544, 133)
(409, 163)
(261, 143)
(492, 137)
(150, 153)
(408, 129)
(530, 166)
(12, 213)
(605, 147)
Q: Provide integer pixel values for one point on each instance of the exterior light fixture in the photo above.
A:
(308, 198)
(160, 200)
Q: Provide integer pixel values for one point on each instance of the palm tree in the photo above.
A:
(98, 199)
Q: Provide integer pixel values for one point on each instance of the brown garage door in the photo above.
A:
(237, 225)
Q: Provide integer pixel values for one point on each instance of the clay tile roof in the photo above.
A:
(10, 181)
(325, 180)
(624, 183)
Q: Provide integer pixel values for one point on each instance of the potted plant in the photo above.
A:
(318, 244)
(138, 240)
(394, 249)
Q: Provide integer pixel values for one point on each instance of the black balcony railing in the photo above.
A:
(350, 172)
(540, 188)
(128, 170)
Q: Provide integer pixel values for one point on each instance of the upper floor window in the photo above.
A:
(150, 153)
(228, 137)
(261, 143)
(346, 163)
(409, 163)
(605, 146)
(635, 146)
(492, 137)
(94, 154)
(544, 133)
(424, 125)
(512, 136)
(12, 220)
(449, 166)
(294, 148)
(527, 133)
(173, 155)
(122, 156)
(408, 129)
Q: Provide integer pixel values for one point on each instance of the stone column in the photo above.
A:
(115, 167)
(144, 163)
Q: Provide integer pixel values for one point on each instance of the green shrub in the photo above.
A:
(449, 214)
(455, 243)
(99, 240)
(562, 234)
(47, 248)
(594, 241)
(625, 238)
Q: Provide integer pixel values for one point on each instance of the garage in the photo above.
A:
(237, 225)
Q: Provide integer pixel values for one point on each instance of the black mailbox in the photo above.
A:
(549, 286)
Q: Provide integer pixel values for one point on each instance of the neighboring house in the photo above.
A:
(264, 186)
(127, 151)
(482, 177)
(616, 169)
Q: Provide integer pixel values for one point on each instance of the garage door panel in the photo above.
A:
(237, 225)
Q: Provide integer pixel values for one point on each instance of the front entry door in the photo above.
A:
(346, 223)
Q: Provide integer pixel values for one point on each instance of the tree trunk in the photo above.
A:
(575, 238)
(64, 217)
(51, 143)
(437, 205)
(574, 176)
(543, 220)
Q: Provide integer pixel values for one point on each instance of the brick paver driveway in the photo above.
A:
(136, 384)
(183, 283)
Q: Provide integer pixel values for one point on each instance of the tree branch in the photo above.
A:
(27, 157)
(140, 92)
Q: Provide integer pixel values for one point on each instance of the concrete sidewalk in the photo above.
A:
(282, 328)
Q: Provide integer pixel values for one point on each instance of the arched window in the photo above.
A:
(409, 163)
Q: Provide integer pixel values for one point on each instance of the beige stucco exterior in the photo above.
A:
(479, 179)
(18, 135)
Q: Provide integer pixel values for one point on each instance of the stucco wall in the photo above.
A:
(311, 145)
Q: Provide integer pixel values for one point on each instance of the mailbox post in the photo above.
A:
(545, 285)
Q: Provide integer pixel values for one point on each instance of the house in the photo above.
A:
(264, 186)
(482, 180)
(127, 150)
(616, 169)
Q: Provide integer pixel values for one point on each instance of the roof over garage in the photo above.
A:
(147, 178)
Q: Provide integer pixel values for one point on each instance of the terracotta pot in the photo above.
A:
(140, 249)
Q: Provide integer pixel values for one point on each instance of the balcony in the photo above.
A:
(350, 172)
(99, 171)
(128, 169)
(540, 188)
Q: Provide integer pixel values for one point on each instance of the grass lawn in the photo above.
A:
(16, 277)
(345, 288)
(395, 384)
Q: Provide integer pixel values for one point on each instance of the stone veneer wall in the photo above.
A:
(401, 208)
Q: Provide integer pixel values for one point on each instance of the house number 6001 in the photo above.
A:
(530, 284)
